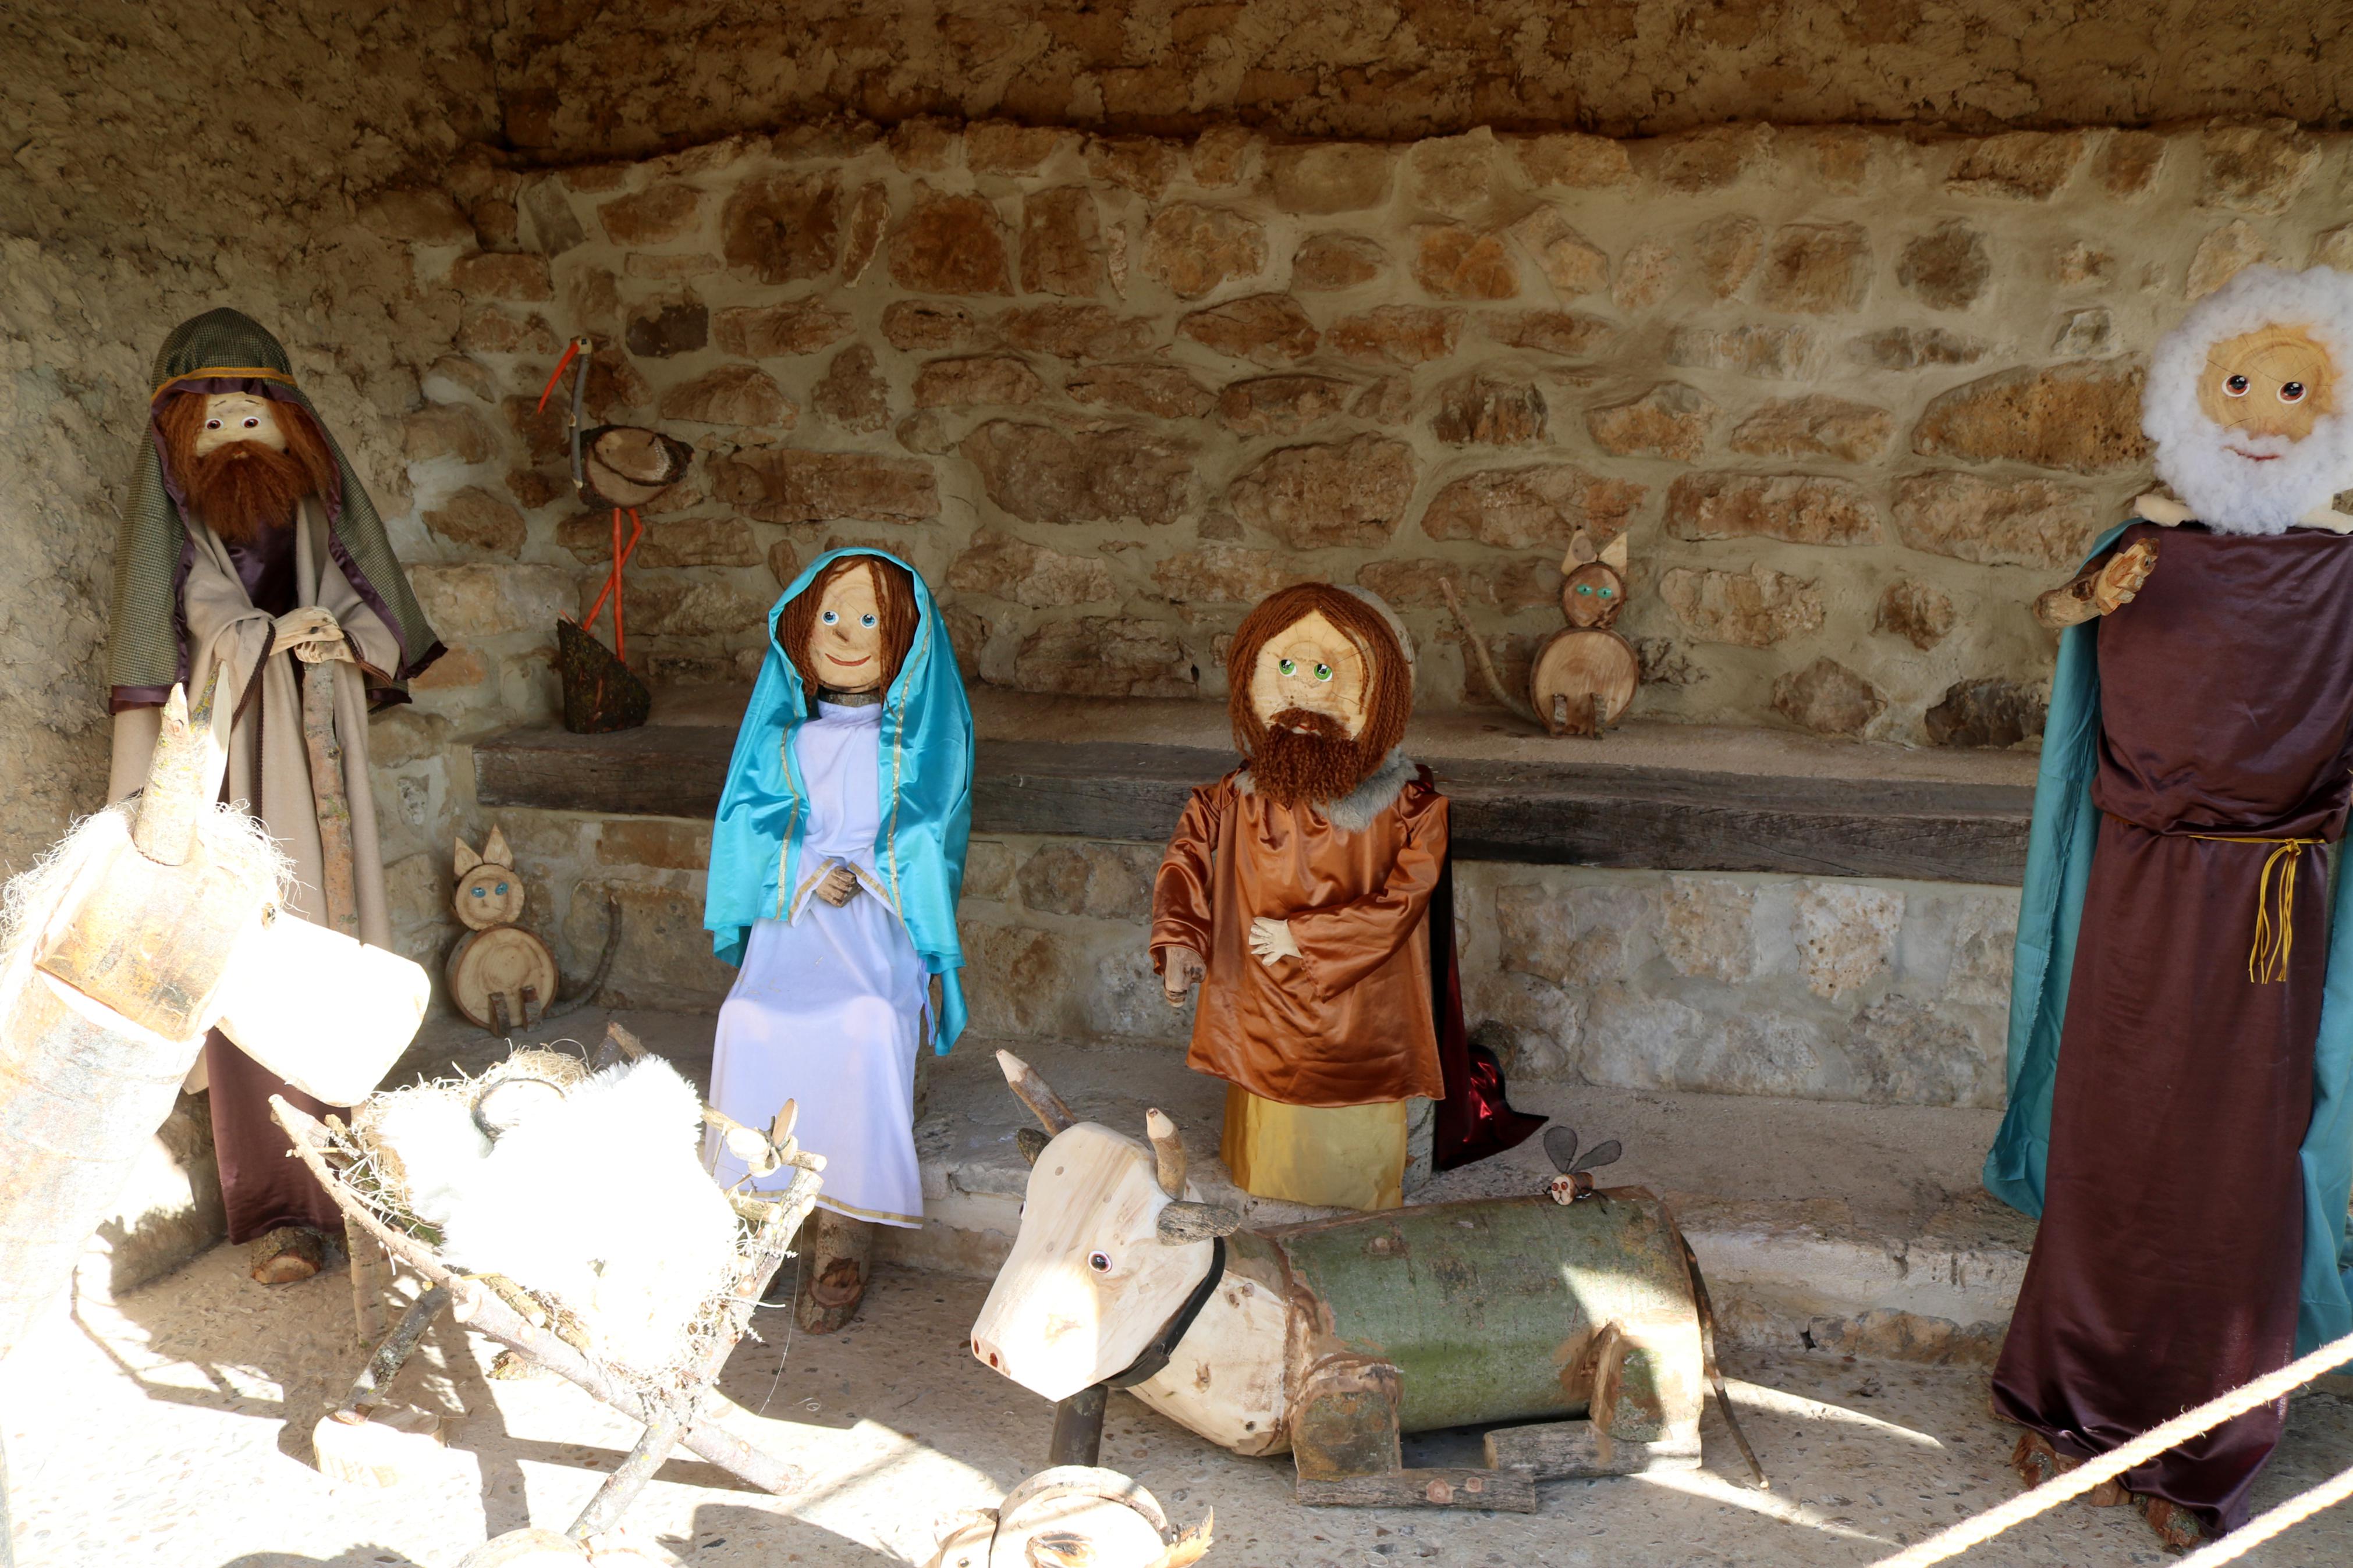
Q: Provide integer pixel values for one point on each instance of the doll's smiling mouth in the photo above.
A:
(2251, 457)
(849, 663)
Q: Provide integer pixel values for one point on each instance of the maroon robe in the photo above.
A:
(2165, 1269)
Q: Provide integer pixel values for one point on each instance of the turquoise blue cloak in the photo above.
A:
(2050, 916)
(926, 788)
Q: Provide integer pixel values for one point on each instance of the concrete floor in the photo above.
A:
(171, 1429)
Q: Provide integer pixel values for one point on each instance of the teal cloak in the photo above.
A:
(926, 788)
(2050, 914)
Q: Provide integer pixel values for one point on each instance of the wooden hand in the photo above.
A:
(2101, 591)
(838, 886)
(1272, 940)
(311, 634)
(1181, 969)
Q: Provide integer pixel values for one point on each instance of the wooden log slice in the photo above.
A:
(1583, 679)
(488, 895)
(501, 961)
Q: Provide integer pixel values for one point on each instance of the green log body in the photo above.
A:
(1486, 1307)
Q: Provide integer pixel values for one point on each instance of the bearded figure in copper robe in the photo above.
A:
(1308, 894)
(251, 562)
(2180, 1052)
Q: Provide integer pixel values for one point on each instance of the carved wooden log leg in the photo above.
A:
(1077, 1428)
(630, 1477)
(837, 1258)
(1344, 1440)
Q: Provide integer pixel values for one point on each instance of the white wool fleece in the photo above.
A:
(2226, 491)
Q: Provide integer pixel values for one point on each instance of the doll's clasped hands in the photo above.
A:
(838, 886)
(312, 634)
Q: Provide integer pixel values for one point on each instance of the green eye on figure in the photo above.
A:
(1323, 672)
(1287, 666)
(1606, 592)
(1585, 589)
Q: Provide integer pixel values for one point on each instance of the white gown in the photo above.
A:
(828, 1007)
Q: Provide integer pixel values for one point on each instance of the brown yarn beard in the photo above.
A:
(1308, 759)
(244, 488)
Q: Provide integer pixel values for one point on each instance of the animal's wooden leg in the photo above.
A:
(1594, 715)
(1557, 721)
(1077, 1428)
(371, 1281)
(499, 1023)
(1344, 1440)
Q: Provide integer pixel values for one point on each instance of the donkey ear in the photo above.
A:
(466, 858)
(1613, 555)
(1183, 1220)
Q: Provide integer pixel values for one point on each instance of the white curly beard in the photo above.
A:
(2233, 492)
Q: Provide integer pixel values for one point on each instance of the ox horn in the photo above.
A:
(1169, 1152)
(1036, 1093)
(182, 778)
(1183, 1220)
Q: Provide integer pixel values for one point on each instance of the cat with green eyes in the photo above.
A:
(1583, 679)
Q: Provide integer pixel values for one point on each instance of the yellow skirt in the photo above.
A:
(1350, 1156)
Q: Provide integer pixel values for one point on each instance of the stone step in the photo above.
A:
(1824, 1224)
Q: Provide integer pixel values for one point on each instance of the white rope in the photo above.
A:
(2273, 1522)
(1950, 1543)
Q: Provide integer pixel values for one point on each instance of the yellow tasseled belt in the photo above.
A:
(2274, 937)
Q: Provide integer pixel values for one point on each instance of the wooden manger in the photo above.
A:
(685, 1409)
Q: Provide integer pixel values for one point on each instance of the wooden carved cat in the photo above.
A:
(1583, 678)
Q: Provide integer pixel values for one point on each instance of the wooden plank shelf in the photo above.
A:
(1567, 812)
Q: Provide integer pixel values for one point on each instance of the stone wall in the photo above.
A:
(589, 77)
(1880, 992)
(1854, 396)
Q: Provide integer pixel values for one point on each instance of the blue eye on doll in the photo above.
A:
(831, 617)
(869, 621)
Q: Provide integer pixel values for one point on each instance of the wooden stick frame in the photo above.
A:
(692, 1420)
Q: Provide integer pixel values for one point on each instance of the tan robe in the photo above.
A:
(225, 630)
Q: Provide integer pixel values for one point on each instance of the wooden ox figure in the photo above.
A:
(153, 921)
(1330, 1340)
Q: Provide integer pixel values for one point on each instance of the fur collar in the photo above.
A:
(1354, 812)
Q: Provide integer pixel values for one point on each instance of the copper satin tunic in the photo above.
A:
(1349, 1021)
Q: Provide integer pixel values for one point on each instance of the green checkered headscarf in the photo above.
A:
(226, 350)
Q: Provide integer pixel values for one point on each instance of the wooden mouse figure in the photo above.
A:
(501, 976)
(1583, 678)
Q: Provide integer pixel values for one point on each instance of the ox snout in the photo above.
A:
(1053, 1349)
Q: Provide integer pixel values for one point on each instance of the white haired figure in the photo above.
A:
(2180, 1109)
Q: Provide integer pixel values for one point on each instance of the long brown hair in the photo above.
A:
(1389, 693)
(894, 596)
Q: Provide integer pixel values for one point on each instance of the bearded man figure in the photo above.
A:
(1308, 893)
(251, 557)
(2180, 1059)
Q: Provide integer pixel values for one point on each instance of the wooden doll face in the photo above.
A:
(231, 417)
(2273, 381)
(1311, 664)
(487, 896)
(846, 644)
(1593, 595)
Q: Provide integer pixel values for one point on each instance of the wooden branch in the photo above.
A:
(1513, 1491)
(1494, 682)
(1036, 1093)
(630, 1477)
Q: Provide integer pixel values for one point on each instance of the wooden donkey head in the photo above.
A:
(1594, 589)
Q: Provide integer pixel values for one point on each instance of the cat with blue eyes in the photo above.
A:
(1583, 679)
